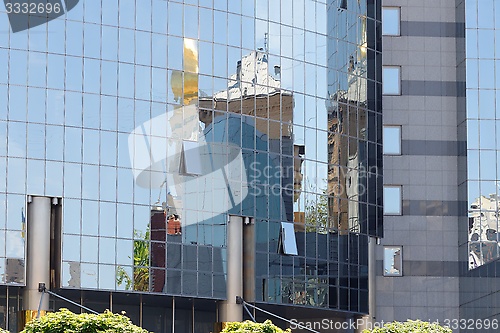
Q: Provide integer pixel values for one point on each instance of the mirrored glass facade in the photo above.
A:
(482, 120)
(155, 120)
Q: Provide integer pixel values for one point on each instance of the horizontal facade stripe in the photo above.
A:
(433, 147)
(434, 208)
(427, 268)
(433, 29)
(433, 88)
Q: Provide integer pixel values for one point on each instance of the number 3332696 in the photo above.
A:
(32, 8)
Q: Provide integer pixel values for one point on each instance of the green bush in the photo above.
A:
(411, 326)
(65, 321)
(251, 327)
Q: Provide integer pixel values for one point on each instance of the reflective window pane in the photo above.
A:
(154, 120)
(393, 261)
(391, 18)
(392, 140)
(392, 200)
(391, 80)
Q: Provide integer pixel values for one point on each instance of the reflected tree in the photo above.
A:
(140, 280)
(316, 212)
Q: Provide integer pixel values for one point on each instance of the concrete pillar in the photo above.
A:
(249, 260)
(229, 310)
(37, 257)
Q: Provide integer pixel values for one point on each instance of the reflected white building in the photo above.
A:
(484, 243)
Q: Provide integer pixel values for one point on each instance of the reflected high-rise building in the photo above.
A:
(347, 152)
(483, 231)
(254, 92)
(173, 155)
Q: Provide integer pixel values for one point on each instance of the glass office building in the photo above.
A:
(149, 123)
(481, 119)
(479, 127)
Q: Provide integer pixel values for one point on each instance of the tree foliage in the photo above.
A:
(140, 279)
(65, 321)
(410, 326)
(251, 327)
(316, 212)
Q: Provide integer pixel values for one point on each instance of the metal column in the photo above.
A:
(249, 260)
(229, 309)
(372, 278)
(37, 257)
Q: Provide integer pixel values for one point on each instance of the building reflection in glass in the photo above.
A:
(210, 154)
(182, 144)
(478, 126)
(348, 167)
(484, 242)
(354, 172)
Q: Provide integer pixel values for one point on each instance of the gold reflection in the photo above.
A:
(363, 45)
(149, 249)
(184, 83)
(184, 122)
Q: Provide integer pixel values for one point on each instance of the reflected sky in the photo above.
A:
(106, 108)
(482, 54)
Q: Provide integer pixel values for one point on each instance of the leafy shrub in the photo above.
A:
(65, 321)
(251, 327)
(411, 326)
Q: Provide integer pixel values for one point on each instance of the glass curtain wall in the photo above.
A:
(154, 120)
(479, 126)
(482, 119)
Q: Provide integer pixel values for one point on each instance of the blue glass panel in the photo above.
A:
(92, 40)
(36, 105)
(90, 243)
(110, 12)
(53, 184)
(35, 177)
(174, 20)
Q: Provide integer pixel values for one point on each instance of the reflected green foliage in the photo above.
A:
(65, 321)
(317, 213)
(411, 326)
(140, 281)
(251, 327)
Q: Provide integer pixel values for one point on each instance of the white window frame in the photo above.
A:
(400, 212)
(391, 8)
(393, 258)
(287, 243)
(190, 158)
(398, 139)
(391, 93)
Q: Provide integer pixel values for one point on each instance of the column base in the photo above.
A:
(219, 326)
(25, 316)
